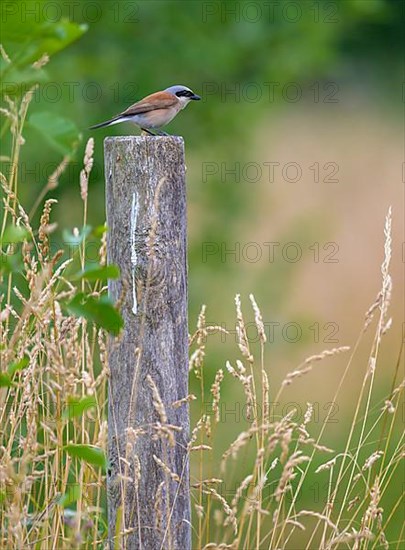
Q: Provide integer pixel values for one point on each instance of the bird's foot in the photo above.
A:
(158, 132)
(148, 132)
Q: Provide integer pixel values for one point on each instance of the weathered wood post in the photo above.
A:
(148, 473)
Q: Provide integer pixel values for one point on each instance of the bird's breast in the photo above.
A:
(155, 118)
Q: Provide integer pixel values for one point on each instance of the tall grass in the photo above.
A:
(53, 375)
(250, 494)
(283, 464)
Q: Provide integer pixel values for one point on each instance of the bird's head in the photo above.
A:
(183, 94)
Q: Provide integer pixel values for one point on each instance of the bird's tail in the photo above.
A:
(114, 120)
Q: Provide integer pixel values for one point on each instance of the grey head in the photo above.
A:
(183, 93)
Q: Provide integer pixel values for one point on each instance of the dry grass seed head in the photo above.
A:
(166, 469)
(211, 481)
(157, 400)
(201, 424)
(242, 439)
(387, 282)
(165, 431)
(4, 55)
(288, 473)
(373, 510)
(369, 315)
(230, 516)
(372, 459)
(326, 466)
(243, 342)
(200, 448)
(306, 366)
(246, 381)
(216, 393)
(388, 406)
(201, 327)
(190, 397)
(41, 62)
(239, 491)
(158, 506)
(199, 510)
(88, 165)
(258, 320)
(53, 180)
(319, 516)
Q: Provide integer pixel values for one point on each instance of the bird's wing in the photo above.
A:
(158, 100)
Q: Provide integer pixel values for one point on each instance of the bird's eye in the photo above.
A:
(184, 93)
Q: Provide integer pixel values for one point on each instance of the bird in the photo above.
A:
(155, 110)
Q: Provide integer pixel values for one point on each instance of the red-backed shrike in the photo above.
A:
(155, 110)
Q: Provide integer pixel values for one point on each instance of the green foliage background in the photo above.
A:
(120, 51)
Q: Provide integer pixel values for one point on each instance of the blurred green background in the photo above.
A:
(293, 156)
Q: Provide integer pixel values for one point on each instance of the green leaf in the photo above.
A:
(28, 38)
(100, 311)
(5, 380)
(14, 234)
(27, 34)
(99, 231)
(76, 407)
(10, 257)
(10, 263)
(69, 239)
(118, 525)
(89, 453)
(18, 365)
(16, 82)
(59, 132)
(72, 495)
(95, 273)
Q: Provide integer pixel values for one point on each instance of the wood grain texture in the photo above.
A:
(146, 216)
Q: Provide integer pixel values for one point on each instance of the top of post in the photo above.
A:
(144, 139)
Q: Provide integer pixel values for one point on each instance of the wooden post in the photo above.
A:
(148, 473)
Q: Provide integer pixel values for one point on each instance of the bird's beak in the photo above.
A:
(195, 97)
